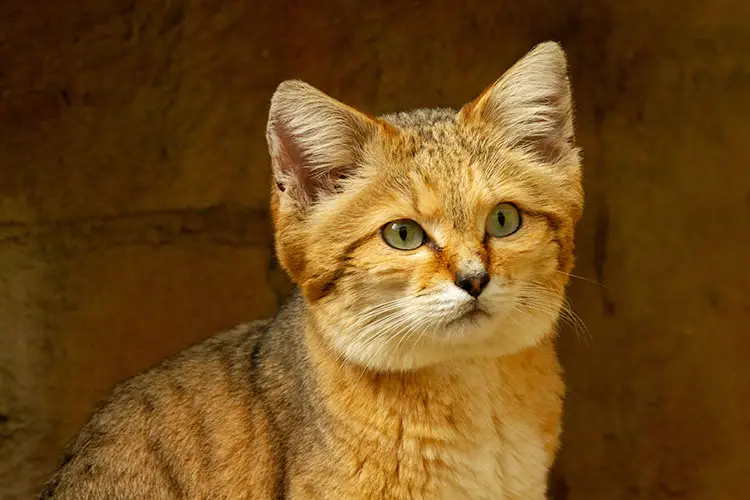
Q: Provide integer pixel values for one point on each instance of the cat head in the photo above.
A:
(426, 235)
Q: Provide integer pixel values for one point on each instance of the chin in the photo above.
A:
(452, 327)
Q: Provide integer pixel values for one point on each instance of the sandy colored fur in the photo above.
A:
(163, 433)
(376, 379)
(485, 428)
(196, 427)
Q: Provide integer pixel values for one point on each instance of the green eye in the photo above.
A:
(504, 220)
(403, 234)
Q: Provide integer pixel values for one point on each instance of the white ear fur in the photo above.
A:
(313, 140)
(530, 107)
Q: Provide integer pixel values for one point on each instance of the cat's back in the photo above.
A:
(192, 427)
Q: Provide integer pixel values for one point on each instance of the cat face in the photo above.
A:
(423, 236)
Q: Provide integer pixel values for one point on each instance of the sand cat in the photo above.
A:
(431, 250)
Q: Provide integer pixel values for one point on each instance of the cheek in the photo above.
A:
(518, 261)
(377, 266)
(408, 272)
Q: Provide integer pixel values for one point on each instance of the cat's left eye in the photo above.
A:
(504, 220)
(403, 234)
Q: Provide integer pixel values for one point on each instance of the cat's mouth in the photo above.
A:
(472, 313)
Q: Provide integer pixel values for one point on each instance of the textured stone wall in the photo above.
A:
(133, 220)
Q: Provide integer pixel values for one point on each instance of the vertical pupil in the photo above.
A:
(501, 218)
(403, 232)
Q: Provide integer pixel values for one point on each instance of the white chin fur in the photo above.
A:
(430, 329)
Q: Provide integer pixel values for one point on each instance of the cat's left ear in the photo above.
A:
(314, 141)
(530, 108)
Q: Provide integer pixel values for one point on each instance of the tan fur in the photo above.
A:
(376, 380)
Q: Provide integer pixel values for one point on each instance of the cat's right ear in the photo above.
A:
(314, 142)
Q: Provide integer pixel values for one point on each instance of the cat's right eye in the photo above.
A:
(403, 234)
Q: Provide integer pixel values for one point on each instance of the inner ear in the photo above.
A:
(340, 176)
(312, 186)
(530, 107)
(329, 181)
(315, 142)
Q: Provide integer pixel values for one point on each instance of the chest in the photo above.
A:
(509, 463)
(487, 442)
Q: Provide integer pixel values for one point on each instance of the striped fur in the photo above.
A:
(374, 381)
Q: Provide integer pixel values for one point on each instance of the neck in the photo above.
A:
(429, 403)
(443, 393)
(439, 396)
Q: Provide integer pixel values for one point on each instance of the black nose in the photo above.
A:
(473, 283)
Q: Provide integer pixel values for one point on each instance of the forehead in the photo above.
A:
(442, 172)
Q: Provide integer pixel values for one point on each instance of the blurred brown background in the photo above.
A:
(133, 219)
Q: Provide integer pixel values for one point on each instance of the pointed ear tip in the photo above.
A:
(289, 88)
(551, 50)
(293, 84)
(550, 46)
(286, 94)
